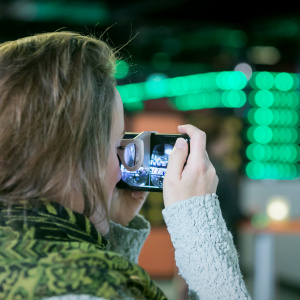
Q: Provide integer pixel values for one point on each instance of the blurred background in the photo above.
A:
(231, 70)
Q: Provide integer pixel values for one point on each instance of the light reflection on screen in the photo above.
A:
(154, 175)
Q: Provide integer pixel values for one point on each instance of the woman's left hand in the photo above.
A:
(125, 205)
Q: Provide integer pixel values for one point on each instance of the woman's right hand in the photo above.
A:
(198, 177)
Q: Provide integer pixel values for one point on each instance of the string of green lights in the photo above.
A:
(231, 82)
(274, 151)
(274, 135)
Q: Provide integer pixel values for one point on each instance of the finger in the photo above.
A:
(207, 157)
(197, 141)
(177, 159)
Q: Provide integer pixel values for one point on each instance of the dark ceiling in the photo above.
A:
(177, 37)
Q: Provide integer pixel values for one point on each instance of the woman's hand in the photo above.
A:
(125, 205)
(198, 177)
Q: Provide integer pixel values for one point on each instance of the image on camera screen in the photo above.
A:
(154, 175)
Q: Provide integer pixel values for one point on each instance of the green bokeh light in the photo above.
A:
(76, 12)
(263, 170)
(234, 98)
(122, 69)
(230, 99)
(281, 81)
(273, 117)
(255, 170)
(263, 116)
(264, 98)
(231, 80)
(280, 135)
(264, 80)
(273, 153)
(198, 101)
(296, 81)
(134, 106)
(271, 98)
(156, 86)
(131, 92)
(284, 81)
(285, 135)
(262, 134)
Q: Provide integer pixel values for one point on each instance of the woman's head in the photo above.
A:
(57, 101)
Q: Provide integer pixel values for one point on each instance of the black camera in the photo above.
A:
(144, 159)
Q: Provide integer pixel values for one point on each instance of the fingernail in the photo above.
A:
(180, 143)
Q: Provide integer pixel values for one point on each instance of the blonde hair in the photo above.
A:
(56, 103)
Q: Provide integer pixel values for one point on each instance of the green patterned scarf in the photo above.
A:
(48, 250)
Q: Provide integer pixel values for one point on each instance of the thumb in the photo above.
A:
(177, 159)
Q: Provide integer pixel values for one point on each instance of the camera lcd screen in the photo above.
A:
(151, 176)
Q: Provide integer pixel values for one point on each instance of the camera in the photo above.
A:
(144, 159)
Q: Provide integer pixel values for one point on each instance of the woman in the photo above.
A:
(65, 230)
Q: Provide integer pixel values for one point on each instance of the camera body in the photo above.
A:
(151, 171)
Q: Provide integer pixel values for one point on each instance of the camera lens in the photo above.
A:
(131, 155)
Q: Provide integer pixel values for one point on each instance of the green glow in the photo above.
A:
(273, 153)
(251, 114)
(263, 116)
(280, 81)
(274, 134)
(280, 135)
(134, 106)
(256, 152)
(73, 12)
(273, 117)
(203, 100)
(296, 81)
(156, 86)
(264, 80)
(225, 81)
(185, 85)
(233, 98)
(175, 87)
(255, 170)
(262, 170)
(231, 80)
(284, 81)
(131, 92)
(293, 100)
(122, 69)
(262, 134)
(250, 134)
(271, 98)
(264, 98)
(198, 101)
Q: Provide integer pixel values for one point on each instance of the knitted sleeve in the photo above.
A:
(204, 249)
(129, 240)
